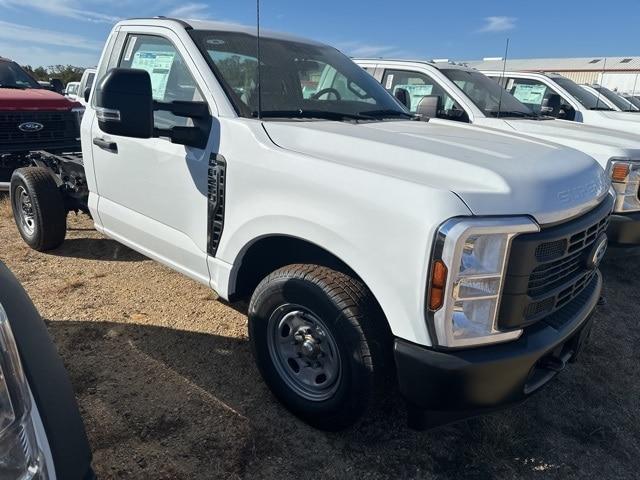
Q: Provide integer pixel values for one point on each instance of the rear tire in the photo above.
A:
(38, 208)
(321, 344)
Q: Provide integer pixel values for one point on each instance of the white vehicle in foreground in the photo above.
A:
(450, 92)
(557, 96)
(611, 99)
(42, 435)
(459, 262)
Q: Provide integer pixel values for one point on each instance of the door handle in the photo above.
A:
(106, 145)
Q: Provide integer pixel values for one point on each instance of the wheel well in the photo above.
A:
(270, 253)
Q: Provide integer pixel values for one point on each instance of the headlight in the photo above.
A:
(467, 271)
(20, 456)
(625, 178)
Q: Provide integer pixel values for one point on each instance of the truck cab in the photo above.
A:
(611, 99)
(371, 249)
(86, 82)
(32, 118)
(445, 91)
(564, 99)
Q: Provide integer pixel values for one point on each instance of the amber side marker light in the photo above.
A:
(619, 172)
(438, 282)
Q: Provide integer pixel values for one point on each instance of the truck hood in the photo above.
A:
(600, 143)
(494, 173)
(621, 121)
(34, 99)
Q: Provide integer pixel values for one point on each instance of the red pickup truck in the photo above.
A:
(32, 119)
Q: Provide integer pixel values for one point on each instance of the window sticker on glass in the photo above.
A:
(158, 64)
(132, 43)
(389, 82)
(530, 94)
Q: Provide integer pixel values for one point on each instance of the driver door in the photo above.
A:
(153, 193)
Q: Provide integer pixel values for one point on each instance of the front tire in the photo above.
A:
(321, 344)
(38, 208)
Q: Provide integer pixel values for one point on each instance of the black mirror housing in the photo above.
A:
(57, 85)
(124, 103)
(86, 94)
(403, 96)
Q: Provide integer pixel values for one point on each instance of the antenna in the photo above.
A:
(604, 68)
(259, 86)
(504, 71)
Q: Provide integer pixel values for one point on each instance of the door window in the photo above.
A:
(420, 87)
(536, 95)
(170, 76)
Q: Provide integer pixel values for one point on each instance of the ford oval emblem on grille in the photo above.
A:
(597, 253)
(30, 127)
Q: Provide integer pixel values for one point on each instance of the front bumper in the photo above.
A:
(445, 386)
(624, 229)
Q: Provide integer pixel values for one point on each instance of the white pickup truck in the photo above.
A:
(561, 97)
(459, 263)
(443, 91)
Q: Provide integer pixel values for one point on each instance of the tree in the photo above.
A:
(66, 73)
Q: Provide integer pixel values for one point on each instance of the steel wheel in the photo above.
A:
(23, 206)
(304, 352)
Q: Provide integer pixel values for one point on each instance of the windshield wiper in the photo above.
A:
(14, 87)
(320, 114)
(601, 109)
(388, 114)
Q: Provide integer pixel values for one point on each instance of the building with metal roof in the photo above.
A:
(616, 73)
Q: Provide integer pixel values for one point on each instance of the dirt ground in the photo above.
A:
(168, 388)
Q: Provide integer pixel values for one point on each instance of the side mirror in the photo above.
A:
(567, 112)
(57, 85)
(403, 96)
(86, 94)
(124, 103)
(429, 106)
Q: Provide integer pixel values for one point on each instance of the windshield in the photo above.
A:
(298, 80)
(13, 76)
(585, 98)
(487, 94)
(618, 101)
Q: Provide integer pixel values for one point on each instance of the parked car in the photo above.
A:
(611, 98)
(32, 118)
(42, 435)
(453, 92)
(460, 262)
(555, 95)
(71, 91)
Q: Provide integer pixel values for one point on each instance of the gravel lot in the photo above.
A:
(168, 389)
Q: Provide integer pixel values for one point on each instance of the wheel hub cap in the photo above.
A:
(24, 209)
(305, 355)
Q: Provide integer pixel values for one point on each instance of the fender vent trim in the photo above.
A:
(217, 198)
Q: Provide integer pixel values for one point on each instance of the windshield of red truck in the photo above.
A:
(13, 76)
(298, 80)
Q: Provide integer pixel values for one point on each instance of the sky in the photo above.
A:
(50, 32)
